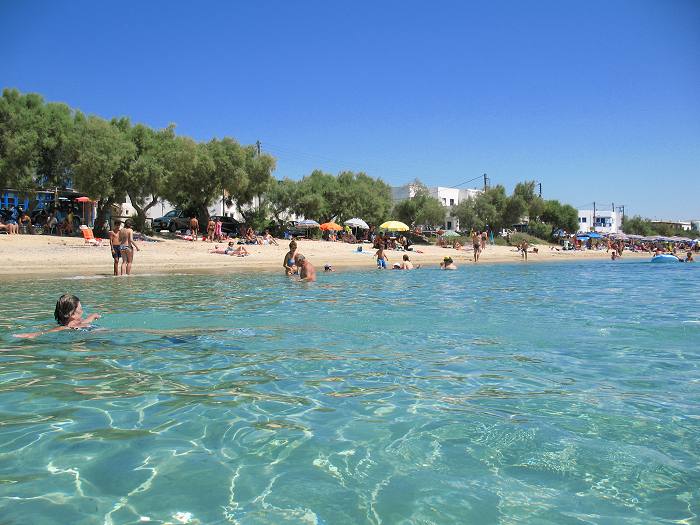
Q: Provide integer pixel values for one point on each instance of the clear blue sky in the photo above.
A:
(597, 99)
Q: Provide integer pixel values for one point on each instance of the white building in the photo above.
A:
(603, 222)
(677, 225)
(447, 196)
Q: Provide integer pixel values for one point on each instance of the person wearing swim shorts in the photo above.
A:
(114, 244)
(68, 315)
(194, 227)
(127, 246)
(476, 243)
(382, 259)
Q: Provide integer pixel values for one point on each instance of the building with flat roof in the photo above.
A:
(676, 225)
(601, 222)
(449, 197)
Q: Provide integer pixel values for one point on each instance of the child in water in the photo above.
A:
(68, 315)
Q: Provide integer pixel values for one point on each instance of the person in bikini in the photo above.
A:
(231, 250)
(126, 247)
(114, 244)
(211, 228)
(288, 264)
(68, 315)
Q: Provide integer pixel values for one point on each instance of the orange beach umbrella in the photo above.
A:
(331, 226)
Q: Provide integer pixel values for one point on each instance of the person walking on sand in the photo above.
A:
(307, 272)
(127, 246)
(211, 228)
(523, 249)
(194, 227)
(476, 244)
(218, 234)
(114, 245)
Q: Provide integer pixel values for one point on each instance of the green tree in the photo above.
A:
(636, 225)
(102, 151)
(515, 209)
(560, 216)
(422, 208)
(36, 142)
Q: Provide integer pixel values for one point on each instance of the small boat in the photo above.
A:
(664, 258)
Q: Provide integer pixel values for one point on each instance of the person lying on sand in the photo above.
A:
(239, 251)
(68, 315)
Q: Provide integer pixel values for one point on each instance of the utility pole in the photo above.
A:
(486, 182)
(593, 225)
(540, 185)
(257, 146)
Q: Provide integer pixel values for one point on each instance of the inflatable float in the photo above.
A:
(664, 258)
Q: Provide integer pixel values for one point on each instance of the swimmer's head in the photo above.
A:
(230, 243)
(66, 307)
(128, 223)
(405, 257)
(448, 260)
(293, 245)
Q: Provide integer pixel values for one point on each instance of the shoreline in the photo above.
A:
(32, 256)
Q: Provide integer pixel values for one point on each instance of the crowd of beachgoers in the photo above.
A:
(65, 221)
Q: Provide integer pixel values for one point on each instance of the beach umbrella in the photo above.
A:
(307, 223)
(394, 226)
(331, 226)
(83, 200)
(357, 223)
(450, 233)
(594, 235)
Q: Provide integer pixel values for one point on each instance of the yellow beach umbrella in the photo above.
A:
(394, 226)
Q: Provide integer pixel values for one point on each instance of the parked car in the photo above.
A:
(174, 220)
(229, 225)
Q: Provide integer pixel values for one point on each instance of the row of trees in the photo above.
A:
(46, 145)
(494, 209)
(636, 225)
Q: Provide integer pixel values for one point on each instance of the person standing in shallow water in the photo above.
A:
(289, 265)
(127, 246)
(114, 245)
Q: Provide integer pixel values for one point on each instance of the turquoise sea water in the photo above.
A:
(542, 393)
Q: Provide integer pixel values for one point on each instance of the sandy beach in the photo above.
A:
(39, 255)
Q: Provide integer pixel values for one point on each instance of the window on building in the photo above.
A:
(581, 219)
(452, 202)
(444, 201)
(449, 225)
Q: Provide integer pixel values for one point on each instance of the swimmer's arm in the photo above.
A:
(90, 318)
(37, 334)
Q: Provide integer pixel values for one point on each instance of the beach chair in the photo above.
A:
(90, 237)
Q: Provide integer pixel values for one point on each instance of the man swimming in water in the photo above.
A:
(68, 315)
